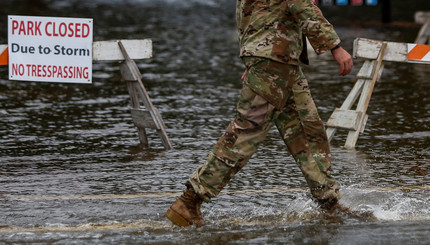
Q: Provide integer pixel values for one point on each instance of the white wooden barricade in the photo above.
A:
(374, 52)
(424, 33)
(143, 112)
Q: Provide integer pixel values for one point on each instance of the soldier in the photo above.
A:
(275, 91)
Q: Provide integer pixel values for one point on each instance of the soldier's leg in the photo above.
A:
(236, 146)
(242, 138)
(303, 132)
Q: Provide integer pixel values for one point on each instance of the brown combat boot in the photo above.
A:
(334, 211)
(185, 211)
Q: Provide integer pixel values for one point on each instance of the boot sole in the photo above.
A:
(176, 218)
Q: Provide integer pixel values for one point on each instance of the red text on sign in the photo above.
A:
(30, 28)
(18, 69)
(70, 30)
(50, 29)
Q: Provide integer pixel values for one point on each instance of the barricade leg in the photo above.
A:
(144, 115)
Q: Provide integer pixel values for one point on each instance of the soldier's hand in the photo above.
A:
(344, 59)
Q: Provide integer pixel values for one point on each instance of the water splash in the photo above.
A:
(391, 205)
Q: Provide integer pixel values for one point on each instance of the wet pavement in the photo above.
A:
(72, 172)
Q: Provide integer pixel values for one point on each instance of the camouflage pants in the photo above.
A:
(272, 93)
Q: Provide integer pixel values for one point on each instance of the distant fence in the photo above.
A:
(386, 5)
(347, 2)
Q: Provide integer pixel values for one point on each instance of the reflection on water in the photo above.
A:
(71, 170)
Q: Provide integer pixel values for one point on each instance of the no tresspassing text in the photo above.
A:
(50, 71)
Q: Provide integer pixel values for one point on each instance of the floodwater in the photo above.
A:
(72, 172)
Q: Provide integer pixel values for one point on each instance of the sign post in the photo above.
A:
(48, 49)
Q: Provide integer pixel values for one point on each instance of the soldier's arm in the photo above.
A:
(320, 32)
(314, 25)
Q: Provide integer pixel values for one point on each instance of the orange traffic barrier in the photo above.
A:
(419, 52)
(4, 57)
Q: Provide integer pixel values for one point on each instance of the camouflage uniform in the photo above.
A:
(274, 91)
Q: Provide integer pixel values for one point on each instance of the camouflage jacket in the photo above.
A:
(274, 29)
